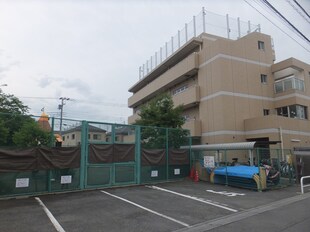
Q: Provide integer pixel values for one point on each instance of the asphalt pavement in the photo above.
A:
(175, 206)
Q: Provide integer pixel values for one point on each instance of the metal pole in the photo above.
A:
(140, 73)
(171, 44)
(151, 63)
(84, 152)
(239, 32)
(167, 153)
(179, 39)
(249, 27)
(138, 154)
(194, 25)
(228, 29)
(203, 19)
(185, 32)
(281, 144)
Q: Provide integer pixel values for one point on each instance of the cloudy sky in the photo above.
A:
(90, 50)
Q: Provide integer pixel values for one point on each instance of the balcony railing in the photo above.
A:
(176, 74)
(289, 83)
(190, 96)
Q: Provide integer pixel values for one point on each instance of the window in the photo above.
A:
(180, 90)
(266, 112)
(263, 78)
(293, 111)
(96, 136)
(88, 136)
(73, 136)
(290, 82)
(261, 45)
(63, 138)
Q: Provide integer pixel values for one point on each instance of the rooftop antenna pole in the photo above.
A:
(60, 107)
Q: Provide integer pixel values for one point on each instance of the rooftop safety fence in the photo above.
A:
(204, 22)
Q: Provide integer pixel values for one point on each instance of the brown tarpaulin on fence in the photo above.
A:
(59, 158)
(109, 153)
(18, 160)
(153, 157)
(30, 159)
(178, 156)
(124, 153)
(100, 153)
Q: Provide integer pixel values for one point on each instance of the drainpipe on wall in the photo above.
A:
(281, 144)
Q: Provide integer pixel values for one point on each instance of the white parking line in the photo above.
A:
(149, 210)
(57, 226)
(193, 198)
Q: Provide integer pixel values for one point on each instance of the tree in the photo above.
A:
(11, 104)
(161, 113)
(13, 119)
(31, 135)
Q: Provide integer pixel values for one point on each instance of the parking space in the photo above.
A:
(163, 207)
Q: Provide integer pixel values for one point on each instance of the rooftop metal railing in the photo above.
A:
(204, 22)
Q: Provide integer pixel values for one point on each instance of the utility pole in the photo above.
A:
(60, 107)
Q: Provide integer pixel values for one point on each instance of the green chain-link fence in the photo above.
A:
(85, 155)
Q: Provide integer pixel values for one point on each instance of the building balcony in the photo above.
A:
(189, 97)
(176, 74)
(194, 126)
(271, 124)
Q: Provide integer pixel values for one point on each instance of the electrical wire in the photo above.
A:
(80, 101)
(302, 8)
(300, 13)
(277, 26)
(270, 6)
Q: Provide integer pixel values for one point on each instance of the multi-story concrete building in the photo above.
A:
(232, 91)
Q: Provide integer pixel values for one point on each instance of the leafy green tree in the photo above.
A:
(11, 104)
(13, 120)
(30, 135)
(160, 112)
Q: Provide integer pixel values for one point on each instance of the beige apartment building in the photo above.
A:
(233, 91)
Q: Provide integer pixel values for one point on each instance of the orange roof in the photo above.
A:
(44, 123)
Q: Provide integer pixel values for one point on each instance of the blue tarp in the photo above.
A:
(240, 171)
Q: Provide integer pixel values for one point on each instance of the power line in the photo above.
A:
(81, 101)
(277, 26)
(302, 8)
(300, 13)
(284, 19)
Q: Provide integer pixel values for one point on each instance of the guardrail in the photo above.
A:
(302, 186)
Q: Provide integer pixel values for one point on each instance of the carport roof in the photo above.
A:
(225, 146)
(231, 146)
